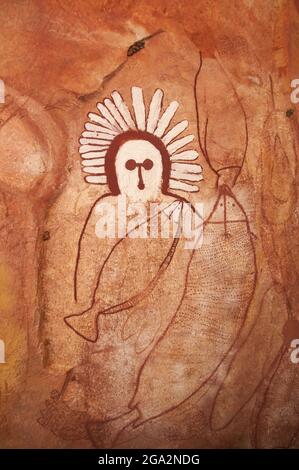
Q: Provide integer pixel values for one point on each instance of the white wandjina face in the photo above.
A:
(141, 180)
(139, 170)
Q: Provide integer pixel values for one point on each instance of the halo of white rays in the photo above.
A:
(115, 118)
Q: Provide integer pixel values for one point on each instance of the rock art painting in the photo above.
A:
(148, 243)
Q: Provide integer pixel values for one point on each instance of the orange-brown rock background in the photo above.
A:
(58, 58)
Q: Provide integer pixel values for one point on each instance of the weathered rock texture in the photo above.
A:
(220, 374)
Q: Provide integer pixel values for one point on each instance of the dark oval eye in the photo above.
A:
(130, 164)
(148, 164)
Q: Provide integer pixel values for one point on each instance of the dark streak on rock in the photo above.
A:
(135, 47)
(46, 235)
(290, 112)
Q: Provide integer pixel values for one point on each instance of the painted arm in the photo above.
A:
(131, 270)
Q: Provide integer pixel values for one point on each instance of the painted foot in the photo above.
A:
(61, 420)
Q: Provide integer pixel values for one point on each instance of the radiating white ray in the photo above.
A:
(139, 108)
(186, 167)
(95, 170)
(92, 148)
(91, 155)
(100, 120)
(93, 162)
(97, 135)
(99, 179)
(180, 185)
(108, 116)
(177, 144)
(99, 142)
(179, 175)
(185, 155)
(97, 128)
(115, 113)
(154, 110)
(123, 109)
(174, 132)
(166, 118)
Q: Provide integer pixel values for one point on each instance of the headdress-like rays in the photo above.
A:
(116, 118)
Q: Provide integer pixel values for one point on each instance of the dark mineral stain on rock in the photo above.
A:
(289, 112)
(46, 236)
